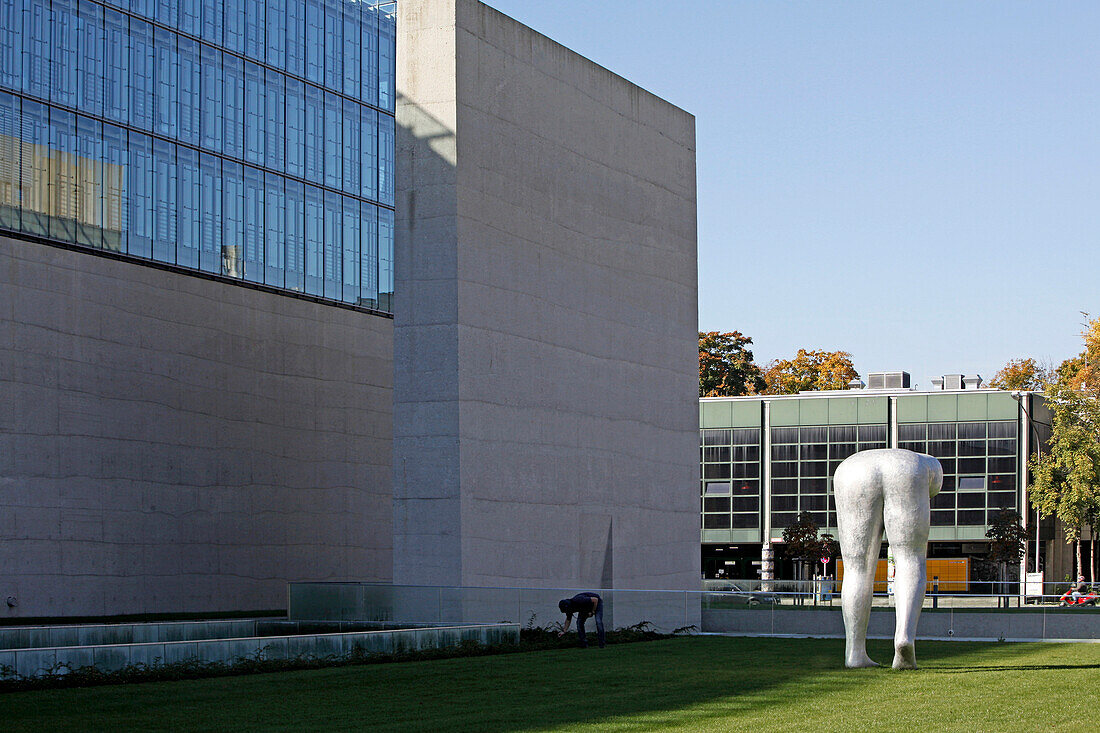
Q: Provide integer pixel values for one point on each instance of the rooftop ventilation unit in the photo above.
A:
(974, 382)
(937, 382)
(856, 383)
(888, 380)
(953, 381)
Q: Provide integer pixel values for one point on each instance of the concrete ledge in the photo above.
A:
(37, 662)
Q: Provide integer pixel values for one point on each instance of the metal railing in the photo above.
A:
(947, 594)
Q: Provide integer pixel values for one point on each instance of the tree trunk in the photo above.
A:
(1080, 567)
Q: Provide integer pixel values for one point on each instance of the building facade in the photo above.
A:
(198, 213)
(545, 330)
(765, 459)
(249, 140)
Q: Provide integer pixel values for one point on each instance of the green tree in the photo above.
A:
(1006, 542)
(1066, 480)
(801, 541)
(1021, 374)
(810, 370)
(726, 368)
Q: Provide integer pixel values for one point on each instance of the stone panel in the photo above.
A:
(180, 444)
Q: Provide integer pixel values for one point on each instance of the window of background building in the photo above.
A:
(979, 462)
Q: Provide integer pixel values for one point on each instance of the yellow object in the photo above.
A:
(954, 574)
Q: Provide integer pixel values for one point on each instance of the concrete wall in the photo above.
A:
(170, 443)
(545, 333)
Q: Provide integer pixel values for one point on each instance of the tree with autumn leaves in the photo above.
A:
(810, 371)
(727, 369)
(1066, 475)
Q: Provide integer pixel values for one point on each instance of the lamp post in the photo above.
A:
(1018, 396)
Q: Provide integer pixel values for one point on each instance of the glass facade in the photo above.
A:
(731, 479)
(975, 436)
(251, 139)
(979, 462)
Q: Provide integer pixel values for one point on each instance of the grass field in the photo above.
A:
(689, 684)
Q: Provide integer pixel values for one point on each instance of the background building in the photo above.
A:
(197, 206)
(764, 459)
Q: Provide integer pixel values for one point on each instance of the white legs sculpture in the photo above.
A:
(873, 488)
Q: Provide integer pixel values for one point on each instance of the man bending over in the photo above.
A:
(584, 605)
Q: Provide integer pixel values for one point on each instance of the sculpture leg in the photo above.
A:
(859, 516)
(907, 519)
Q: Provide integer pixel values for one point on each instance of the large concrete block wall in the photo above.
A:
(170, 443)
(545, 333)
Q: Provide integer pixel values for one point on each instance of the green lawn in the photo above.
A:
(697, 684)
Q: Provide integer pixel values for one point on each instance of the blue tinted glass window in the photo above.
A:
(295, 248)
(385, 259)
(351, 142)
(140, 195)
(65, 60)
(351, 242)
(385, 159)
(253, 225)
(62, 202)
(353, 67)
(11, 185)
(190, 16)
(368, 49)
(314, 238)
(144, 187)
(11, 44)
(117, 52)
(211, 98)
(387, 72)
(274, 231)
(189, 217)
(295, 128)
(89, 151)
(315, 134)
(232, 242)
(116, 211)
(211, 21)
(275, 30)
(275, 132)
(254, 113)
(254, 38)
(35, 170)
(210, 208)
(189, 91)
(368, 154)
(168, 12)
(36, 45)
(142, 66)
(334, 132)
(146, 8)
(164, 201)
(233, 110)
(333, 245)
(233, 17)
(167, 84)
(368, 248)
(334, 44)
(315, 41)
(295, 37)
(91, 85)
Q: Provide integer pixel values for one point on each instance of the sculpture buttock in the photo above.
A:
(873, 489)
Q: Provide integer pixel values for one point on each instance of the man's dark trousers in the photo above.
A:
(598, 615)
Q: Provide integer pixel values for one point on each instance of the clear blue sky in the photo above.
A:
(917, 184)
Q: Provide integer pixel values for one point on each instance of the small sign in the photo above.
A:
(1033, 584)
(825, 560)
